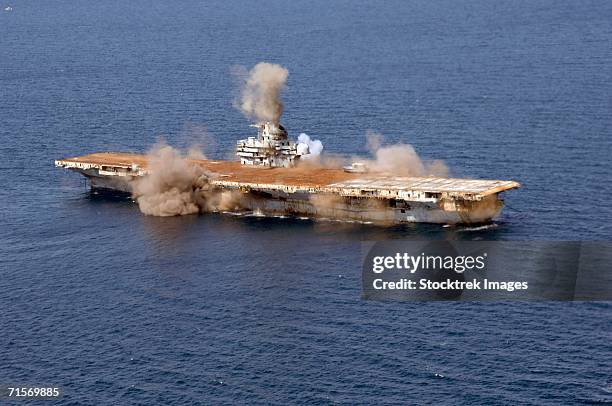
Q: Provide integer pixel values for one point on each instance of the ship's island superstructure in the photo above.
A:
(271, 147)
(269, 180)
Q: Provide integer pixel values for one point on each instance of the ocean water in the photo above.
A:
(121, 308)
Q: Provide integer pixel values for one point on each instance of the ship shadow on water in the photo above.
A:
(107, 195)
(367, 231)
(102, 200)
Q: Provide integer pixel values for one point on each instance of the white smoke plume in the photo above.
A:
(174, 185)
(260, 96)
(315, 147)
(400, 159)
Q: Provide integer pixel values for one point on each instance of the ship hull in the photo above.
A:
(110, 183)
(347, 209)
(323, 206)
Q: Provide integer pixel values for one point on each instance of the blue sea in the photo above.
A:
(119, 308)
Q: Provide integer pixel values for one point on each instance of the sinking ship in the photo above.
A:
(269, 178)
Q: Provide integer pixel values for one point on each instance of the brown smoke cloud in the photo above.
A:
(400, 159)
(260, 96)
(174, 185)
(397, 159)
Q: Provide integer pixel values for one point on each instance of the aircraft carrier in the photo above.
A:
(270, 180)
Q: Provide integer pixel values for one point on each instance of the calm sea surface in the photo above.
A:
(120, 308)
